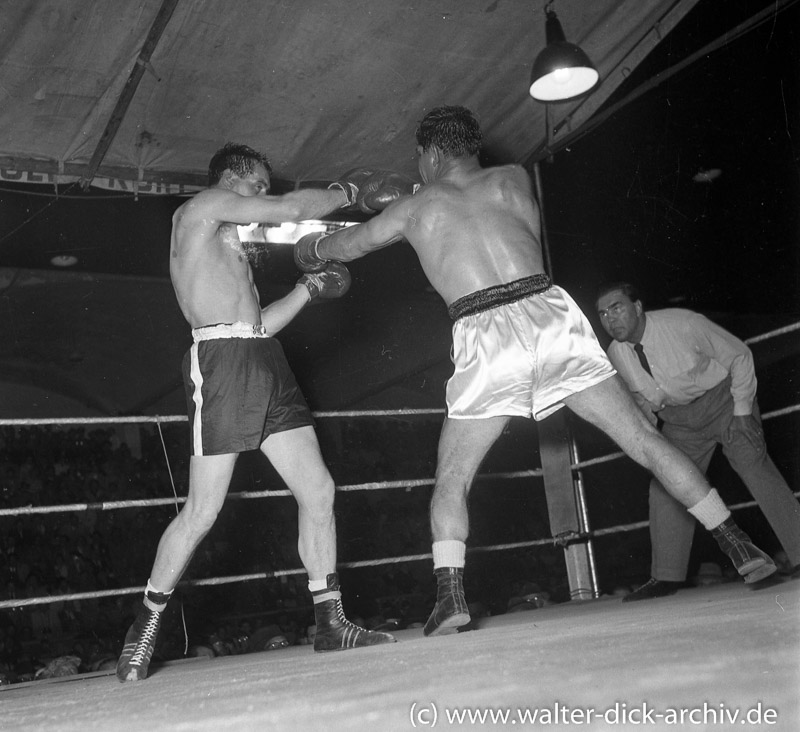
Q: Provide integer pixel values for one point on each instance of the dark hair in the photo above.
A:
(625, 287)
(239, 159)
(454, 130)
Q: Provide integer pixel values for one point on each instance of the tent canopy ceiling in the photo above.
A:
(147, 90)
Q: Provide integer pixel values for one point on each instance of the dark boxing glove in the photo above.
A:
(330, 283)
(351, 182)
(306, 257)
(382, 188)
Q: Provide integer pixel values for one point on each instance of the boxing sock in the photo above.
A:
(449, 553)
(710, 511)
(155, 599)
(321, 591)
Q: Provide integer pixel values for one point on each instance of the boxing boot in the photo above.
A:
(140, 641)
(334, 631)
(750, 562)
(450, 611)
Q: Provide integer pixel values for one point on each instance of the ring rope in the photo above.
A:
(381, 485)
(773, 333)
(244, 495)
(214, 581)
(159, 419)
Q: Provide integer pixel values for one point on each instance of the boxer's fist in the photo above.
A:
(382, 188)
(306, 258)
(351, 182)
(332, 282)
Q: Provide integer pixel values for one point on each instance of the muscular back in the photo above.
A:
(212, 278)
(476, 229)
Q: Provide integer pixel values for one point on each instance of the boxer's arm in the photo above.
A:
(373, 190)
(334, 282)
(383, 188)
(354, 242)
(228, 206)
(277, 315)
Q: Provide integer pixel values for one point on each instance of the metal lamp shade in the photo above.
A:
(562, 70)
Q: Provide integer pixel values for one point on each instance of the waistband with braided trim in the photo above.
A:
(492, 297)
(229, 330)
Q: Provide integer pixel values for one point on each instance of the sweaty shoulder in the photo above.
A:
(509, 180)
(202, 204)
(513, 172)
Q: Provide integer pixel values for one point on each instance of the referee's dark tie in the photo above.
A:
(642, 358)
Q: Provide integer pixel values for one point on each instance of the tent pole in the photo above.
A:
(129, 90)
(564, 494)
(537, 187)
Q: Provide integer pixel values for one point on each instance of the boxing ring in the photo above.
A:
(576, 654)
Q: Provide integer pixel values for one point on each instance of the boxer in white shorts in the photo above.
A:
(477, 233)
(523, 355)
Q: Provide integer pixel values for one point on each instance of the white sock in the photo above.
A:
(318, 588)
(450, 553)
(711, 511)
(155, 599)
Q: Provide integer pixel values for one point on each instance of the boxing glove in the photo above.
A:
(382, 188)
(306, 258)
(351, 182)
(332, 282)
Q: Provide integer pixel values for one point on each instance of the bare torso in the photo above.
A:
(476, 230)
(209, 269)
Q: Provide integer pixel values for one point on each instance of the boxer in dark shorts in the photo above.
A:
(239, 389)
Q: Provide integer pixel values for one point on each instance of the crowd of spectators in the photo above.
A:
(64, 553)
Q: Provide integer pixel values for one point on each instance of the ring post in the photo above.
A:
(562, 507)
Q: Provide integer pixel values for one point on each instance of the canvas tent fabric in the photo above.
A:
(320, 86)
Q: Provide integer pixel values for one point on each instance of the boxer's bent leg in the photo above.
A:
(296, 455)
(610, 407)
(209, 479)
(463, 445)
